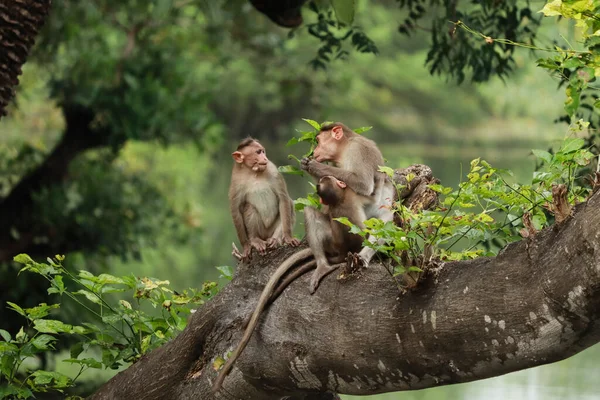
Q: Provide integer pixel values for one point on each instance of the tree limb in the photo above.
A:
(537, 302)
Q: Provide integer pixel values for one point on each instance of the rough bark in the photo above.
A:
(20, 21)
(537, 302)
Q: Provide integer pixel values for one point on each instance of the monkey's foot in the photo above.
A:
(321, 272)
(272, 242)
(260, 245)
(292, 241)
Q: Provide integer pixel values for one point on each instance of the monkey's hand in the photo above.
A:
(259, 244)
(304, 163)
(309, 165)
(292, 241)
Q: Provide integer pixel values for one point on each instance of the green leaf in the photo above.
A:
(399, 270)
(58, 286)
(15, 392)
(572, 144)
(552, 8)
(14, 307)
(386, 170)
(573, 62)
(583, 157)
(88, 362)
(23, 259)
(43, 342)
(40, 311)
(344, 221)
(592, 41)
(292, 141)
(312, 123)
(89, 295)
(46, 378)
(226, 270)
(5, 335)
(52, 326)
(363, 129)
(548, 63)
(109, 279)
(8, 348)
(544, 155)
(344, 10)
(290, 169)
(21, 336)
(112, 319)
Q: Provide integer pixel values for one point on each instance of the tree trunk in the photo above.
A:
(20, 21)
(17, 209)
(537, 302)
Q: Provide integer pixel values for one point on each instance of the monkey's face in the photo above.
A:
(329, 144)
(330, 190)
(252, 156)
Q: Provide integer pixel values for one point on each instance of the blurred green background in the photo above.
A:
(171, 91)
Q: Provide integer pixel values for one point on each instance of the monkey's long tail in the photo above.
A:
(301, 270)
(262, 301)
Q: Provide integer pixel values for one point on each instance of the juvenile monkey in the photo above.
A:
(356, 160)
(261, 208)
(329, 241)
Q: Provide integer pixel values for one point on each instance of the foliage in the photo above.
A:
(576, 69)
(334, 32)
(452, 52)
(16, 163)
(127, 62)
(484, 208)
(122, 332)
(84, 211)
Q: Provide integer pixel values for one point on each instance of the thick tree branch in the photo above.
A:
(537, 302)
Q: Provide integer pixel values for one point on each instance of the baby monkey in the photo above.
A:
(261, 208)
(329, 241)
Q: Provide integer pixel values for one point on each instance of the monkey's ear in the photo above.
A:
(341, 184)
(238, 157)
(337, 132)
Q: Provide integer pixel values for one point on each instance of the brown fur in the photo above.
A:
(261, 208)
(356, 162)
(336, 242)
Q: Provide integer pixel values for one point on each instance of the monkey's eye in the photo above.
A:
(260, 151)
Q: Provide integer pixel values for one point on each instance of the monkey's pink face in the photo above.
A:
(253, 156)
(327, 147)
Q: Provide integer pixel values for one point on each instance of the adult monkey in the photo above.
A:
(261, 208)
(357, 160)
(329, 241)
